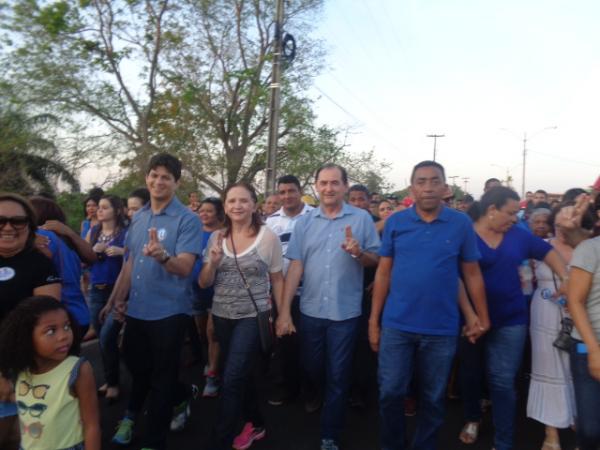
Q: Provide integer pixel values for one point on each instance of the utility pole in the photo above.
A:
(275, 100)
(435, 136)
(466, 181)
(524, 162)
(453, 178)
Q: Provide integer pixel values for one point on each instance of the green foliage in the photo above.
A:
(72, 204)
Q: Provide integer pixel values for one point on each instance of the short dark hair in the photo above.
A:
(343, 171)
(496, 196)
(491, 180)
(289, 179)
(428, 163)
(541, 191)
(359, 188)
(17, 352)
(142, 193)
(572, 194)
(218, 205)
(168, 161)
(46, 209)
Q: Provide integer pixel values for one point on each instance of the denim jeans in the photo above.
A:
(152, 350)
(587, 400)
(327, 348)
(108, 334)
(430, 358)
(503, 354)
(471, 372)
(239, 342)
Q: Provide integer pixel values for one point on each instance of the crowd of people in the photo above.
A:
(428, 285)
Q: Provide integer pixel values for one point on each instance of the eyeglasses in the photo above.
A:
(33, 429)
(17, 222)
(38, 391)
(35, 410)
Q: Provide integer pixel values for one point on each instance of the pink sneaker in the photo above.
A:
(248, 435)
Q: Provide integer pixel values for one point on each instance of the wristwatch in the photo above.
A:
(165, 256)
(357, 256)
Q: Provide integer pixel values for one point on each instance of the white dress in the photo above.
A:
(551, 398)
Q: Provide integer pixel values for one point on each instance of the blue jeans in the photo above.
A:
(430, 357)
(503, 353)
(239, 342)
(587, 400)
(108, 334)
(327, 348)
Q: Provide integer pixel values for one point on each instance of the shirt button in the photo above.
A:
(138, 277)
(324, 298)
(327, 267)
(142, 260)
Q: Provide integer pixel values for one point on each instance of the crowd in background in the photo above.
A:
(428, 285)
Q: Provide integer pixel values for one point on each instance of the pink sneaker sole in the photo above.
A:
(254, 437)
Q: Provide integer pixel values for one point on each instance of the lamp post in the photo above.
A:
(525, 139)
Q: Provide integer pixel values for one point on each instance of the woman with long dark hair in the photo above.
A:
(108, 242)
(244, 261)
(503, 248)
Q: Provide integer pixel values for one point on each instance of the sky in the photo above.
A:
(483, 73)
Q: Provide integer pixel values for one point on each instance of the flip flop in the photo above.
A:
(469, 433)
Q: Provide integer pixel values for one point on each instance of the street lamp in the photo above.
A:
(525, 139)
(509, 179)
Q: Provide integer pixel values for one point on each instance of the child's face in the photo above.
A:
(52, 337)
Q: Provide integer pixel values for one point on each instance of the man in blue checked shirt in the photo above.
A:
(330, 247)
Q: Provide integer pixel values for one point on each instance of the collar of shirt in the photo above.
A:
(346, 209)
(443, 216)
(173, 208)
(281, 213)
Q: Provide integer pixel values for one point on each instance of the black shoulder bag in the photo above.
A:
(264, 319)
(564, 340)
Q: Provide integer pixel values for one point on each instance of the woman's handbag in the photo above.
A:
(264, 319)
(564, 341)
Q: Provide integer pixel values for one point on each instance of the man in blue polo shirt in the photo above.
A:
(330, 245)
(416, 287)
(163, 243)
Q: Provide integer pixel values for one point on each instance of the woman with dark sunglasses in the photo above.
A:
(23, 272)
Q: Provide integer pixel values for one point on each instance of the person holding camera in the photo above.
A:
(551, 399)
(503, 248)
(577, 223)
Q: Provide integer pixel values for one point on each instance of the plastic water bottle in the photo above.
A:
(526, 275)
(547, 294)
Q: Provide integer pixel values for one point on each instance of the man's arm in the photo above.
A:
(180, 265)
(120, 292)
(380, 292)
(476, 289)
(292, 281)
(472, 329)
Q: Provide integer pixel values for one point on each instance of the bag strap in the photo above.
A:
(237, 265)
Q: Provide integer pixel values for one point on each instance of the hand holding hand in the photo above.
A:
(351, 245)
(284, 326)
(41, 244)
(99, 247)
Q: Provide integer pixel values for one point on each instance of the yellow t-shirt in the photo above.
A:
(48, 412)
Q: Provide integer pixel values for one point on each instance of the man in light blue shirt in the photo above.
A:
(163, 243)
(330, 247)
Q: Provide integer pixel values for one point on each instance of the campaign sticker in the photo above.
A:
(162, 234)
(6, 273)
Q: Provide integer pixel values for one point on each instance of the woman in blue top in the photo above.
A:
(503, 247)
(108, 241)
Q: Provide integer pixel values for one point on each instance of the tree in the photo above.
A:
(28, 158)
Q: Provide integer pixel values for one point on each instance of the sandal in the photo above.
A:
(469, 433)
(547, 445)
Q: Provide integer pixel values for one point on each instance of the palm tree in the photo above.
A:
(28, 161)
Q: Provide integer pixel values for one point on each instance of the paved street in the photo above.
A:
(290, 428)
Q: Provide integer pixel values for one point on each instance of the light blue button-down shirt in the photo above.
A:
(155, 293)
(333, 280)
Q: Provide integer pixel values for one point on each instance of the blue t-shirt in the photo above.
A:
(423, 294)
(202, 293)
(500, 268)
(156, 293)
(67, 263)
(107, 268)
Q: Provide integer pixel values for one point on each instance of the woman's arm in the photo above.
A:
(82, 246)
(578, 291)
(85, 391)
(277, 287)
